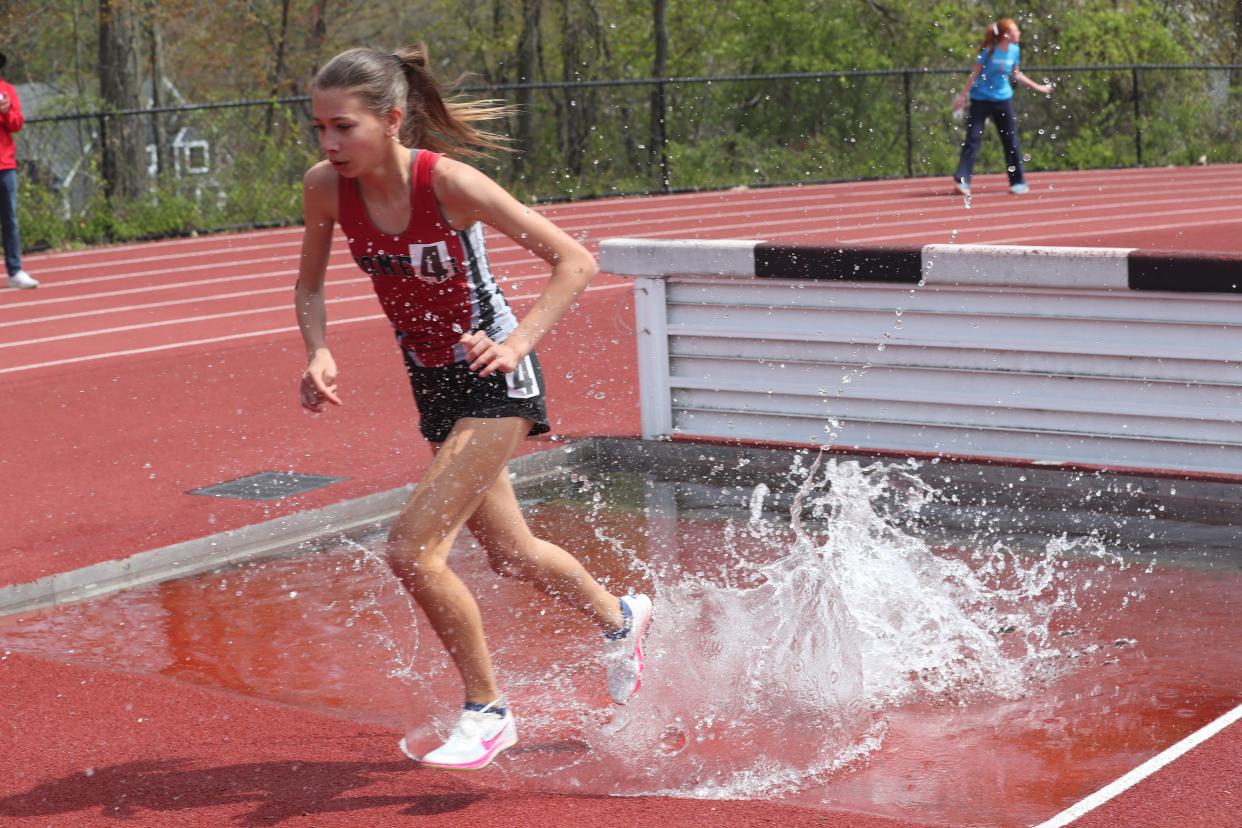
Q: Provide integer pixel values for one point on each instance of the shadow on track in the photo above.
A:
(279, 790)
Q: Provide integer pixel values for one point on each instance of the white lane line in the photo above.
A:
(785, 197)
(171, 345)
(138, 326)
(167, 259)
(239, 294)
(1068, 181)
(1148, 178)
(505, 282)
(1143, 771)
(1144, 229)
(498, 262)
(289, 262)
(215, 280)
(1022, 225)
(210, 239)
(230, 337)
(1055, 202)
(285, 307)
(1144, 178)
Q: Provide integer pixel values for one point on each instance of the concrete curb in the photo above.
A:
(282, 536)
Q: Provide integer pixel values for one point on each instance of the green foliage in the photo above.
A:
(600, 141)
(40, 216)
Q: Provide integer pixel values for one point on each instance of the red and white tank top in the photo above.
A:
(433, 282)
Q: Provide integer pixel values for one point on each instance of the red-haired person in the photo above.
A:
(991, 96)
(11, 121)
(414, 221)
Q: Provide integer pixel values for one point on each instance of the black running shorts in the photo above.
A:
(446, 394)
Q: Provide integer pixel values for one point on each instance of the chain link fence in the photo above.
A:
(138, 174)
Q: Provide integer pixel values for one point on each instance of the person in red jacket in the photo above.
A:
(11, 121)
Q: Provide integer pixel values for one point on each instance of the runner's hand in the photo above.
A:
(486, 357)
(319, 382)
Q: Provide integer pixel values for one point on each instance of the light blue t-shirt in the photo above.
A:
(992, 83)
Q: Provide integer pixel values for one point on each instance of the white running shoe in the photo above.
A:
(22, 281)
(624, 656)
(1020, 188)
(477, 739)
(963, 187)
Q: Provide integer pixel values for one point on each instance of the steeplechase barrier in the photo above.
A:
(1094, 357)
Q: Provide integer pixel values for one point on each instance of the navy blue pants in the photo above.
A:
(1001, 112)
(8, 221)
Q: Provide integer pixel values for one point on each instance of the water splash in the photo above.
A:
(775, 668)
(777, 654)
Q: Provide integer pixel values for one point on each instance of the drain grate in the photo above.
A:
(267, 485)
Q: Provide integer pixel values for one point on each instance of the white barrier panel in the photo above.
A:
(1040, 355)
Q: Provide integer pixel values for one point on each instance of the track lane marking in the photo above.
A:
(138, 326)
(829, 210)
(1129, 780)
(251, 334)
(504, 282)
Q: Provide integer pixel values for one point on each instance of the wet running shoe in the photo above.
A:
(963, 187)
(624, 650)
(1018, 189)
(478, 737)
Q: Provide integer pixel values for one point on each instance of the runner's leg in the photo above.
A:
(497, 524)
(465, 466)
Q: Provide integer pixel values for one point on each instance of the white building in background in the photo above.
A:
(64, 155)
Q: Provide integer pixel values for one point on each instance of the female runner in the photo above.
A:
(413, 218)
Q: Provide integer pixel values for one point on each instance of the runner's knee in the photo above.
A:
(415, 559)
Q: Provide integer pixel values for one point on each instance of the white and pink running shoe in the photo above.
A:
(477, 739)
(624, 656)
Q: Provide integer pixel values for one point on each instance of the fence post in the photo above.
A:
(105, 158)
(1138, 123)
(905, 83)
(662, 136)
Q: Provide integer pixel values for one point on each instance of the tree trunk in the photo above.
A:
(528, 68)
(123, 172)
(277, 78)
(571, 126)
(155, 43)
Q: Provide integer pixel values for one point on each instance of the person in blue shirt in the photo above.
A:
(991, 96)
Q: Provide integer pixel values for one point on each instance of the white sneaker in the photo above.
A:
(22, 281)
(1019, 189)
(963, 187)
(624, 656)
(477, 739)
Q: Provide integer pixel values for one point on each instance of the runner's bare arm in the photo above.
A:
(466, 196)
(319, 213)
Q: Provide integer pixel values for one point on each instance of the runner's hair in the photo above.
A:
(402, 80)
(992, 34)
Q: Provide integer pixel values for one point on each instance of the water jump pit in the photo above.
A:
(948, 642)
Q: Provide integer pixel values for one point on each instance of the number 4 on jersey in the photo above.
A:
(434, 263)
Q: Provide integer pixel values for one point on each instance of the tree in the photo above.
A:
(121, 140)
(528, 69)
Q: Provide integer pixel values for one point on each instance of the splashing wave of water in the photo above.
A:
(777, 671)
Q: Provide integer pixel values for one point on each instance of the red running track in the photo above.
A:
(138, 372)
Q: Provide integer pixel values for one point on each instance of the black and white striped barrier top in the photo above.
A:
(1086, 268)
